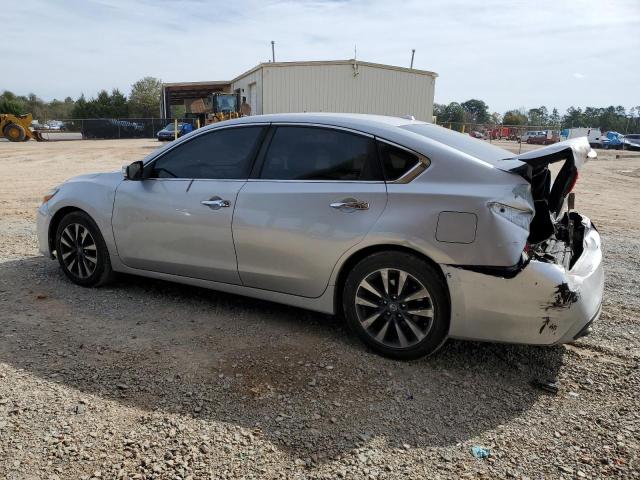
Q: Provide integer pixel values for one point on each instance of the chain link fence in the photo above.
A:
(502, 132)
(114, 128)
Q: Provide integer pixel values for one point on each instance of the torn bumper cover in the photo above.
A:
(539, 303)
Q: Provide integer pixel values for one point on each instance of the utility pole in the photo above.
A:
(413, 52)
(273, 51)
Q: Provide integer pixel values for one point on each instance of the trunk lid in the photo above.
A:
(549, 197)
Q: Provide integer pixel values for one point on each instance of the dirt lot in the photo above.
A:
(147, 379)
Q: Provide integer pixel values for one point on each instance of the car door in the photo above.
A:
(319, 191)
(177, 219)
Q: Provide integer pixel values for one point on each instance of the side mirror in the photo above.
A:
(133, 171)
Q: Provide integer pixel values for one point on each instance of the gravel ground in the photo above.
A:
(148, 379)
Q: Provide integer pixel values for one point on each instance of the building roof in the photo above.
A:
(178, 92)
(335, 62)
(198, 84)
(190, 87)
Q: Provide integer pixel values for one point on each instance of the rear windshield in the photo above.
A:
(460, 141)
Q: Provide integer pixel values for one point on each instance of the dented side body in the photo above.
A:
(555, 291)
(499, 293)
(471, 211)
(435, 212)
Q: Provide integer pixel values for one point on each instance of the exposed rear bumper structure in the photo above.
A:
(542, 304)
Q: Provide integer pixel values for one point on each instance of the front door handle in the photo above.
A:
(350, 204)
(216, 203)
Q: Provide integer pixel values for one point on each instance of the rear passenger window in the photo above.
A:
(312, 153)
(396, 161)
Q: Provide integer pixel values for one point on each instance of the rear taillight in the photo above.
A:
(573, 182)
(521, 218)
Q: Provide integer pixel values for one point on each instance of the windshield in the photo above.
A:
(170, 127)
(465, 143)
(226, 103)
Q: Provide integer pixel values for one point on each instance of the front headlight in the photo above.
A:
(50, 194)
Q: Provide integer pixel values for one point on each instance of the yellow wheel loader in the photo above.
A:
(225, 106)
(17, 128)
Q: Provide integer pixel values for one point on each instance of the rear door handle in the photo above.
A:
(216, 203)
(350, 204)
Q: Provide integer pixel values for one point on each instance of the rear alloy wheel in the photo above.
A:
(397, 304)
(81, 251)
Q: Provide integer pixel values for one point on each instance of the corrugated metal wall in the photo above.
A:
(254, 77)
(335, 88)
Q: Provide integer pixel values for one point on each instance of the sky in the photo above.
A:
(509, 53)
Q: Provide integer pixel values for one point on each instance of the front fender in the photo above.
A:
(93, 194)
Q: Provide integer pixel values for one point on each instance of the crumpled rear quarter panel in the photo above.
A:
(454, 183)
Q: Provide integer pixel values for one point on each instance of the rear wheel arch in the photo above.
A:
(359, 255)
(397, 302)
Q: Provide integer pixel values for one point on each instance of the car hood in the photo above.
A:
(102, 177)
(86, 176)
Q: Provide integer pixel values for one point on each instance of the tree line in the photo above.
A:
(143, 102)
(474, 111)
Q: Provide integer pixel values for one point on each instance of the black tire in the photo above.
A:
(435, 329)
(14, 132)
(79, 273)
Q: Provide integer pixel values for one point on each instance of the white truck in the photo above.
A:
(594, 135)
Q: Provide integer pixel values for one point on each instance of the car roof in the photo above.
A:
(351, 120)
(406, 131)
(416, 135)
(382, 126)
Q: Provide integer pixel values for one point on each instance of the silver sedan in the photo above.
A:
(412, 232)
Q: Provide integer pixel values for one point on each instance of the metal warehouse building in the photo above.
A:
(320, 86)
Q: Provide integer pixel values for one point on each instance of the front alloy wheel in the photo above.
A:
(78, 250)
(81, 250)
(398, 304)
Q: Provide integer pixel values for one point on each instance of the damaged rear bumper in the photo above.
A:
(541, 304)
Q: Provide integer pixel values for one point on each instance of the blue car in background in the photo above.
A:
(612, 140)
(168, 132)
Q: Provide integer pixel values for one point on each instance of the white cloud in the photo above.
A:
(506, 56)
(578, 75)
